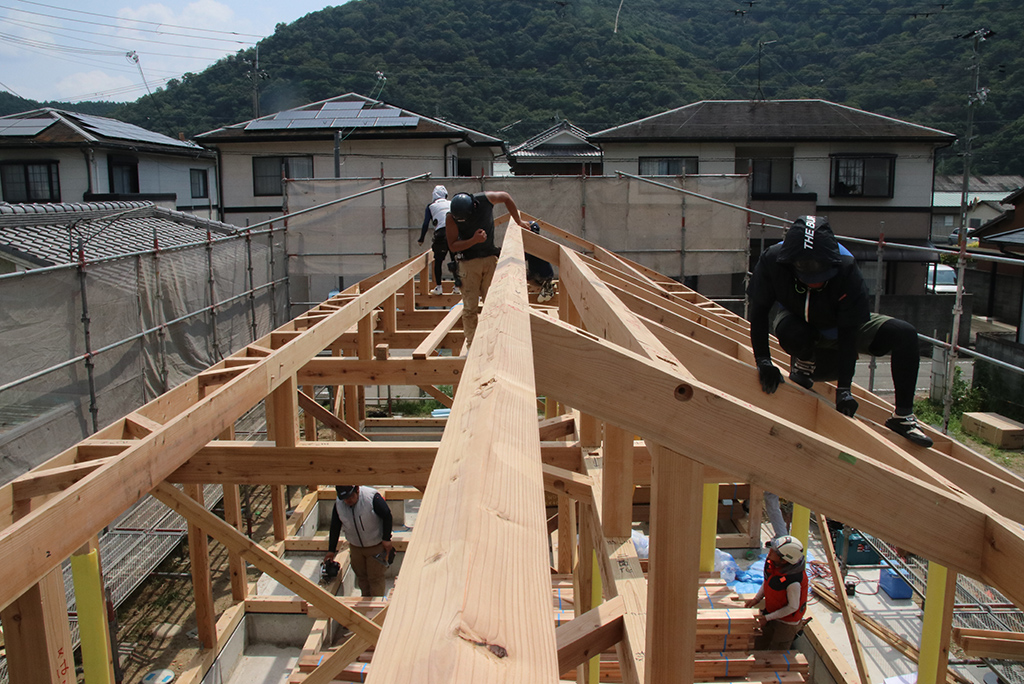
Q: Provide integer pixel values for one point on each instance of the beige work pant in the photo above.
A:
(369, 571)
(476, 277)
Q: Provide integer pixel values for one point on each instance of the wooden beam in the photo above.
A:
(440, 331)
(559, 426)
(560, 481)
(399, 463)
(328, 669)
(40, 482)
(265, 561)
(437, 394)
(589, 635)
(435, 370)
(342, 429)
(479, 552)
(844, 605)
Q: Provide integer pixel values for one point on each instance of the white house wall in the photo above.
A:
(158, 174)
(359, 159)
(74, 181)
(905, 215)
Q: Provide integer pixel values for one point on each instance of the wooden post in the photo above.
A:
(673, 577)
(202, 588)
(617, 492)
(364, 350)
(583, 579)
(566, 534)
(938, 623)
(308, 421)
(37, 637)
(283, 428)
(36, 634)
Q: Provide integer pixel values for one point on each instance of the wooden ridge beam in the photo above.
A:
(479, 552)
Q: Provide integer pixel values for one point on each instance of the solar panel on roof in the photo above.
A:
(309, 123)
(111, 128)
(345, 104)
(296, 114)
(24, 127)
(390, 111)
(264, 125)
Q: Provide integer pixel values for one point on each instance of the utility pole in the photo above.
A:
(977, 96)
(760, 49)
(256, 75)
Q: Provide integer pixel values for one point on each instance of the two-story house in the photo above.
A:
(560, 150)
(349, 136)
(50, 155)
(869, 174)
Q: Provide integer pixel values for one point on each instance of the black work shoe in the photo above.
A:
(907, 426)
(801, 371)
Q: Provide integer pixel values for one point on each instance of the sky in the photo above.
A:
(118, 50)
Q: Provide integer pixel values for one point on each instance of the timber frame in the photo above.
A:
(626, 352)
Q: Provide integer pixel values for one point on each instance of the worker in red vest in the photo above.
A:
(784, 591)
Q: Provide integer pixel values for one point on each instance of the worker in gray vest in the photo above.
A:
(364, 516)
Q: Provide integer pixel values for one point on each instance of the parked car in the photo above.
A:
(941, 279)
(954, 237)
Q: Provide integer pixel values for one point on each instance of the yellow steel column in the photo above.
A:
(938, 622)
(92, 617)
(709, 527)
(800, 527)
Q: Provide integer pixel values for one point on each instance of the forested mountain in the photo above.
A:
(512, 68)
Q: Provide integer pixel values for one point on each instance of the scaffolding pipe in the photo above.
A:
(90, 367)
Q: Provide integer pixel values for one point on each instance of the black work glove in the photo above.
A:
(845, 403)
(769, 375)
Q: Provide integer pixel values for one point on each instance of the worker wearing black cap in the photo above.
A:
(364, 516)
(809, 291)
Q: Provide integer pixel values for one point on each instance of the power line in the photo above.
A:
(50, 27)
(137, 21)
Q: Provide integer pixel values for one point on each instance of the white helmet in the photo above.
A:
(789, 547)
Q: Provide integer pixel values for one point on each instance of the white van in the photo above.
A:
(941, 279)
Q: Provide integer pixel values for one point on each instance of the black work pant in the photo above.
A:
(440, 248)
(880, 336)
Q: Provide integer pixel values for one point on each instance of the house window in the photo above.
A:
(860, 176)
(124, 174)
(667, 166)
(770, 169)
(464, 167)
(267, 172)
(36, 181)
(200, 183)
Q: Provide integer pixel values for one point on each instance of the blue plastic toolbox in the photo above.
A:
(893, 584)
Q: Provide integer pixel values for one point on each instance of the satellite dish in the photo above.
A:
(798, 180)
